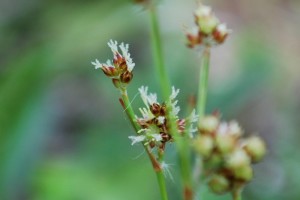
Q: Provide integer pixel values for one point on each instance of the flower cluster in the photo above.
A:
(208, 31)
(154, 123)
(227, 156)
(120, 68)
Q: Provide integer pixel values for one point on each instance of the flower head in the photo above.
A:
(121, 67)
(209, 31)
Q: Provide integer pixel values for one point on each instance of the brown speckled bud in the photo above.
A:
(163, 109)
(126, 77)
(110, 71)
(155, 109)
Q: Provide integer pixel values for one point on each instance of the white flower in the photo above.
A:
(161, 119)
(147, 99)
(174, 93)
(234, 128)
(175, 109)
(156, 137)
(147, 114)
(193, 116)
(152, 98)
(130, 64)
(223, 30)
(144, 94)
(113, 46)
(203, 11)
(137, 139)
(97, 64)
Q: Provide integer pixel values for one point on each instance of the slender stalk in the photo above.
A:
(158, 53)
(203, 83)
(125, 102)
(237, 194)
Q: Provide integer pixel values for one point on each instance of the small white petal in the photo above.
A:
(161, 120)
(157, 137)
(113, 45)
(97, 64)
(174, 93)
(144, 94)
(136, 139)
(222, 129)
(130, 64)
(194, 117)
(152, 98)
(203, 11)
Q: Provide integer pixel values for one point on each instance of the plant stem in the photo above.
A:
(158, 53)
(125, 102)
(203, 83)
(237, 194)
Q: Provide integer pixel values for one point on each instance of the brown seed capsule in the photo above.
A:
(123, 67)
(110, 71)
(117, 83)
(155, 109)
(166, 137)
(163, 109)
(126, 77)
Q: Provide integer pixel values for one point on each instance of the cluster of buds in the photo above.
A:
(208, 31)
(120, 68)
(227, 157)
(154, 121)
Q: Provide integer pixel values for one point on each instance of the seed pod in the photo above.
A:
(239, 158)
(225, 143)
(244, 173)
(209, 123)
(155, 109)
(117, 83)
(110, 71)
(203, 144)
(219, 184)
(255, 147)
(126, 77)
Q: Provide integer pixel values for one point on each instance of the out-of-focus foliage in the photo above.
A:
(63, 135)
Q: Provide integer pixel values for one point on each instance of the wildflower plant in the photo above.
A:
(224, 156)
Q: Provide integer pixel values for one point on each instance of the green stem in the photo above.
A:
(155, 163)
(237, 194)
(203, 82)
(158, 53)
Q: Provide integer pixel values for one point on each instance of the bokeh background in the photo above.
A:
(63, 134)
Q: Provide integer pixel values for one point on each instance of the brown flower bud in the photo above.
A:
(163, 109)
(126, 77)
(220, 33)
(117, 83)
(110, 71)
(155, 109)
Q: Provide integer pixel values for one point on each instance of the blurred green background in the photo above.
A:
(63, 135)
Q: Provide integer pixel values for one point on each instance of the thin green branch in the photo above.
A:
(237, 194)
(203, 82)
(158, 53)
(125, 102)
